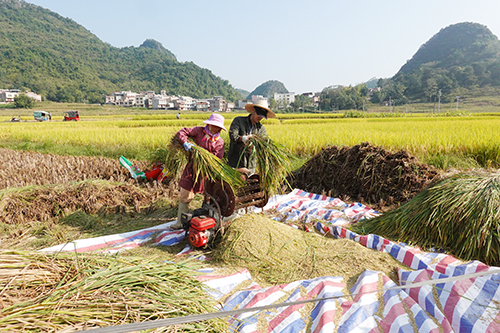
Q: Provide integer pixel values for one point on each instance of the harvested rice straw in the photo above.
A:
(205, 164)
(274, 163)
(85, 291)
(173, 157)
(460, 214)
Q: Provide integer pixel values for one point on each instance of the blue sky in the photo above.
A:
(306, 45)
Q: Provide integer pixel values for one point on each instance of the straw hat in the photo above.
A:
(261, 103)
(216, 120)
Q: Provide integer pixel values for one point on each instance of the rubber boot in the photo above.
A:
(183, 208)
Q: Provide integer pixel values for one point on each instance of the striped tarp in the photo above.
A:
(466, 305)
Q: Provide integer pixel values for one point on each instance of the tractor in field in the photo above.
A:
(71, 116)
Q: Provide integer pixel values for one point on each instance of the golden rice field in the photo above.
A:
(475, 138)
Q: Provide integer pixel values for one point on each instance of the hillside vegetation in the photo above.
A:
(460, 57)
(61, 60)
(460, 61)
(268, 88)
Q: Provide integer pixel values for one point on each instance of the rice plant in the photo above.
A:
(47, 293)
(205, 164)
(460, 214)
(274, 163)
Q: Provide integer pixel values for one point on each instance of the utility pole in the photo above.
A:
(439, 101)
(458, 97)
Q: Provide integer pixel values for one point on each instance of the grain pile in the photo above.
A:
(364, 173)
(269, 249)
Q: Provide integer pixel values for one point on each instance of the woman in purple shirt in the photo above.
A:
(207, 137)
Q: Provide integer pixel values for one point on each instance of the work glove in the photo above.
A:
(188, 145)
(245, 138)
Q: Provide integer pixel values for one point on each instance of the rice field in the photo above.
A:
(431, 138)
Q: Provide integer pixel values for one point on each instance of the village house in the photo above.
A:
(288, 98)
(218, 104)
(8, 95)
(162, 101)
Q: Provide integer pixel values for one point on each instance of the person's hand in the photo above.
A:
(188, 145)
(245, 138)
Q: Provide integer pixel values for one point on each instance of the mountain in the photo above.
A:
(61, 60)
(372, 83)
(461, 44)
(461, 56)
(268, 88)
(244, 93)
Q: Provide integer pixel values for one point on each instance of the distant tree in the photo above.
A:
(343, 98)
(23, 102)
(272, 103)
(301, 102)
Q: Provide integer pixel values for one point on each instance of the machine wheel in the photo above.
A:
(223, 194)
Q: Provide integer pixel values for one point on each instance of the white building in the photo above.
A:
(161, 102)
(8, 95)
(203, 105)
(241, 103)
(218, 104)
(122, 98)
(288, 98)
(34, 96)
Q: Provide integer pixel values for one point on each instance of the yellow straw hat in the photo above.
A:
(260, 104)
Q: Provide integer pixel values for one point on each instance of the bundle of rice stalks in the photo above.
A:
(460, 214)
(276, 253)
(274, 163)
(205, 164)
(174, 157)
(49, 293)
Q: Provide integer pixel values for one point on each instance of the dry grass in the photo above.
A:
(460, 214)
(44, 293)
(276, 253)
(22, 168)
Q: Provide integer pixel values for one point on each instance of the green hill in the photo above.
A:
(461, 44)
(64, 62)
(268, 88)
(459, 57)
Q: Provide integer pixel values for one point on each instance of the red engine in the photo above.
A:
(201, 230)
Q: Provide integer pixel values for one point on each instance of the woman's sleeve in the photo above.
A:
(185, 133)
(220, 151)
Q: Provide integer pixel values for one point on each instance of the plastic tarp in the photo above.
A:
(463, 305)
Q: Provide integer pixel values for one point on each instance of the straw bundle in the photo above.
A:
(173, 157)
(274, 163)
(205, 164)
(42, 293)
(460, 214)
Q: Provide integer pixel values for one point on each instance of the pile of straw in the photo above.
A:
(276, 253)
(460, 214)
(75, 292)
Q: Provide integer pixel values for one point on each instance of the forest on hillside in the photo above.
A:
(460, 59)
(64, 62)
